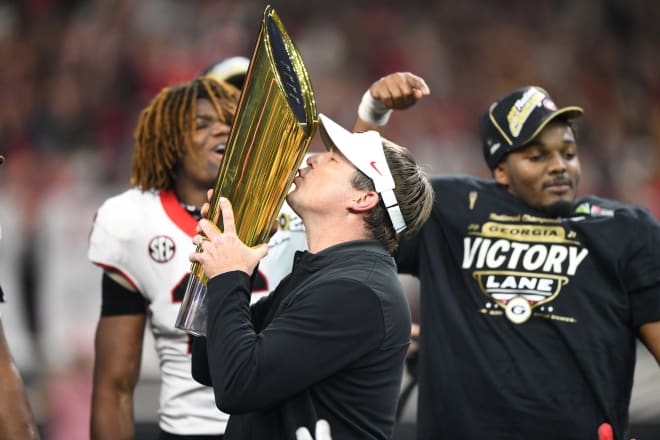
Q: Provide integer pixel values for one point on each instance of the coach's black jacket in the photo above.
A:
(328, 343)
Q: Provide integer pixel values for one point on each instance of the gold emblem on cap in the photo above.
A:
(522, 108)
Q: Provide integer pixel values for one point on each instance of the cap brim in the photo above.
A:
(364, 150)
(359, 148)
(570, 112)
(334, 135)
(330, 131)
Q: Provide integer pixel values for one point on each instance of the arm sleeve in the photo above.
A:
(642, 271)
(200, 361)
(259, 310)
(407, 256)
(118, 300)
(312, 337)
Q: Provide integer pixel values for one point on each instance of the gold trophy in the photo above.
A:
(275, 121)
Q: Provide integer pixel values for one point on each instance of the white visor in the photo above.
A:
(229, 68)
(365, 151)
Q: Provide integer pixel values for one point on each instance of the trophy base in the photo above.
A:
(193, 313)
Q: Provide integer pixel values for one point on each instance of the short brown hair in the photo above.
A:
(163, 134)
(413, 191)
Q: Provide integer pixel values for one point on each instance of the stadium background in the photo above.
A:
(74, 75)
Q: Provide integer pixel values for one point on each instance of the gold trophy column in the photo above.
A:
(275, 121)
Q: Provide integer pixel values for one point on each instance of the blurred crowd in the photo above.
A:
(74, 75)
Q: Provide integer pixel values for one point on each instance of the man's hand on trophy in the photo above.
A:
(205, 207)
(222, 252)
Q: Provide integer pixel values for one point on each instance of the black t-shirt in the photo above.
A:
(528, 323)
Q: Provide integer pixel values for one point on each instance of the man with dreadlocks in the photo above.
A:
(142, 239)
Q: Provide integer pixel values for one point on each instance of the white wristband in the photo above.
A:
(373, 111)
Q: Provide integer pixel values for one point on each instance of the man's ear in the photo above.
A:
(501, 174)
(363, 201)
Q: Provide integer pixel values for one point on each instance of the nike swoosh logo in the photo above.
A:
(373, 165)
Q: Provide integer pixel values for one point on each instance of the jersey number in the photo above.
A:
(178, 293)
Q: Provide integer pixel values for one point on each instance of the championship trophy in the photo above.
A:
(275, 122)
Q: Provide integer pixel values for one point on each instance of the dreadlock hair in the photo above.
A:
(163, 135)
(413, 192)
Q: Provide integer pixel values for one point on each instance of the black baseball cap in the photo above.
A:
(514, 120)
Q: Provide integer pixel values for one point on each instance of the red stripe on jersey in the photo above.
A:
(122, 273)
(177, 213)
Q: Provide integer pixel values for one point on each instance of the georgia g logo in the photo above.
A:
(518, 309)
(161, 249)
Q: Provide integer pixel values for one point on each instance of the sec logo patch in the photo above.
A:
(162, 249)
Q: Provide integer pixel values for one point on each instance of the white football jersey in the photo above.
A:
(147, 236)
